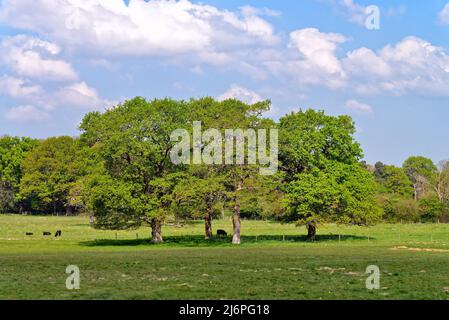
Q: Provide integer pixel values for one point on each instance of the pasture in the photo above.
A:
(274, 261)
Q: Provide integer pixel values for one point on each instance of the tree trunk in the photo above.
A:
(91, 219)
(236, 223)
(156, 231)
(223, 211)
(311, 231)
(208, 225)
(69, 210)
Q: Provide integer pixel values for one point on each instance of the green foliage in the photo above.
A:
(229, 114)
(418, 177)
(133, 141)
(432, 209)
(198, 194)
(263, 198)
(7, 199)
(406, 210)
(12, 152)
(399, 209)
(50, 171)
(439, 184)
(120, 169)
(419, 167)
(342, 193)
(320, 160)
(113, 203)
(393, 180)
(311, 139)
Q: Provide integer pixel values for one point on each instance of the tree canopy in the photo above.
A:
(121, 170)
(50, 171)
(13, 150)
(324, 180)
(311, 139)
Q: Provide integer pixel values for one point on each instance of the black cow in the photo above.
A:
(29, 234)
(58, 233)
(222, 233)
(45, 233)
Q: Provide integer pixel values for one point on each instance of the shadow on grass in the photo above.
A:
(199, 241)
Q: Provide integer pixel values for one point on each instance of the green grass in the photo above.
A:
(273, 262)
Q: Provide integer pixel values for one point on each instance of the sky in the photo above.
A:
(60, 59)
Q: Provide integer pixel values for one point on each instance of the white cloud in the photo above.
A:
(79, 95)
(411, 65)
(202, 34)
(34, 58)
(354, 105)
(364, 61)
(355, 12)
(18, 88)
(141, 28)
(314, 60)
(250, 10)
(240, 93)
(35, 63)
(443, 15)
(26, 113)
(318, 48)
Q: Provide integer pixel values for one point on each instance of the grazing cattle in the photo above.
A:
(46, 233)
(29, 234)
(222, 233)
(58, 233)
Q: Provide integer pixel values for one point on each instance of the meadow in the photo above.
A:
(274, 261)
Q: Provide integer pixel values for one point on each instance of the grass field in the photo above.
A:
(273, 262)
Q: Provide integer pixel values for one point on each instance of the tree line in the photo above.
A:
(119, 172)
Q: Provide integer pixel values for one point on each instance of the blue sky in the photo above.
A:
(59, 60)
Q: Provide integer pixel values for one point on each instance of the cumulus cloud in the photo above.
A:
(354, 105)
(35, 58)
(318, 48)
(41, 81)
(364, 61)
(18, 88)
(242, 41)
(240, 93)
(315, 60)
(79, 95)
(26, 113)
(141, 28)
(411, 65)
